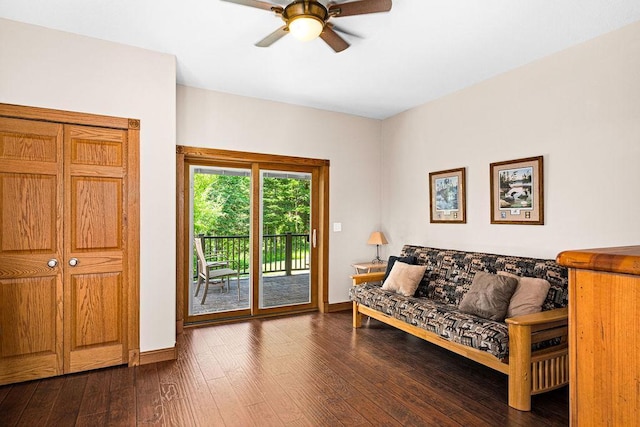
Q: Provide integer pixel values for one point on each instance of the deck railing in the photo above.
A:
(280, 252)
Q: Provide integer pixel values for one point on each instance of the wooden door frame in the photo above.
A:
(185, 154)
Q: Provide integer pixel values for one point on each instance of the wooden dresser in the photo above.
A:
(604, 335)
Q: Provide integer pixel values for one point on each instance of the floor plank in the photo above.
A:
(42, 402)
(148, 399)
(15, 402)
(67, 405)
(232, 412)
(305, 370)
(3, 393)
(174, 399)
(97, 396)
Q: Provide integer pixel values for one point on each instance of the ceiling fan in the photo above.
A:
(308, 19)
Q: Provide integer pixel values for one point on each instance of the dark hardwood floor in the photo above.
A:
(310, 369)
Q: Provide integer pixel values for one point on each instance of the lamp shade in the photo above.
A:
(377, 238)
(305, 27)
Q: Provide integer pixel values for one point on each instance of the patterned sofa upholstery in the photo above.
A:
(432, 312)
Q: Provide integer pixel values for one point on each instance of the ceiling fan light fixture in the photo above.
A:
(308, 19)
(306, 27)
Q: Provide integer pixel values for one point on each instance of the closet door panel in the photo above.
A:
(30, 334)
(30, 348)
(30, 140)
(30, 226)
(97, 318)
(97, 321)
(96, 207)
(31, 249)
(95, 272)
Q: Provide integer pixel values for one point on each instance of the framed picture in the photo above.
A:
(517, 192)
(447, 196)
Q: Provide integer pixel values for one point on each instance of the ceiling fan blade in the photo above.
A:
(255, 3)
(343, 31)
(332, 38)
(359, 7)
(273, 37)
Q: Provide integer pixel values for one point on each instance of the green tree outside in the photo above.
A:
(221, 207)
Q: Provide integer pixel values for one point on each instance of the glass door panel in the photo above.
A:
(221, 250)
(285, 256)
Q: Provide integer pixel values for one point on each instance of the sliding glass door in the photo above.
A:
(252, 232)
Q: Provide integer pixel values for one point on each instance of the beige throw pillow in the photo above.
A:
(529, 295)
(489, 296)
(404, 278)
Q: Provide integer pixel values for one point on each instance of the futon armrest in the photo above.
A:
(549, 316)
(359, 279)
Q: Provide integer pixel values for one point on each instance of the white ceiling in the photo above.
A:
(420, 51)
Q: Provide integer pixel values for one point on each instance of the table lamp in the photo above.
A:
(377, 238)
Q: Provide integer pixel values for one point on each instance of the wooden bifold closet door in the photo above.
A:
(68, 253)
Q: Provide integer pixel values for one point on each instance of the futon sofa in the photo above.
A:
(531, 349)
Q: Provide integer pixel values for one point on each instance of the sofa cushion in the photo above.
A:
(392, 260)
(489, 296)
(404, 278)
(528, 296)
(441, 319)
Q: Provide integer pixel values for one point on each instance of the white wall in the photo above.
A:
(352, 144)
(52, 69)
(579, 108)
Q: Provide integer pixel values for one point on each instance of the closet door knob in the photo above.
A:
(52, 262)
(73, 262)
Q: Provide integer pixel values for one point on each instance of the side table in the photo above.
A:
(369, 267)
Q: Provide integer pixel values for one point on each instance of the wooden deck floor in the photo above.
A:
(311, 369)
